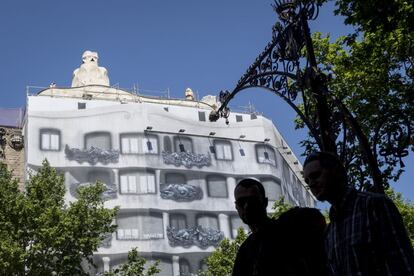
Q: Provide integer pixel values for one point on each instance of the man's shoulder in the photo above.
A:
(370, 196)
(273, 227)
(248, 241)
(268, 232)
(369, 201)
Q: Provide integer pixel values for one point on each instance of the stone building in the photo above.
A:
(12, 142)
(171, 171)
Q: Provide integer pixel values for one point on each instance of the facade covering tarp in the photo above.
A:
(11, 117)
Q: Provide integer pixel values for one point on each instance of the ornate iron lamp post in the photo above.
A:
(298, 81)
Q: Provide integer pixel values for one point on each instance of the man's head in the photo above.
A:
(251, 201)
(325, 175)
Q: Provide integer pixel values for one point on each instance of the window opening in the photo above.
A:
(101, 140)
(223, 150)
(211, 147)
(217, 186)
(50, 139)
(150, 144)
(202, 116)
(130, 144)
(167, 144)
(241, 150)
(180, 145)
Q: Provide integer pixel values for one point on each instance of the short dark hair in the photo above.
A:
(249, 182)
(327, 160)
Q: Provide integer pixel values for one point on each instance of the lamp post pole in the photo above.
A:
(319, 89)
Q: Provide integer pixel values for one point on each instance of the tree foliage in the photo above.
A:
(135, 266)
(371, 71)
(279, 207)
(221, 260)
(42, 235)
(406, 209)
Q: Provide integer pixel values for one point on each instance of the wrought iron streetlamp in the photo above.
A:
(281, 69)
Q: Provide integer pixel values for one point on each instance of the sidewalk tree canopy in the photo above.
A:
(40, 234)
(371, 70)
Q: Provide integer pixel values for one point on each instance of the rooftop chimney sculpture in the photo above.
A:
(89, 73)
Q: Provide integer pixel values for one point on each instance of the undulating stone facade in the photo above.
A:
(11, 151)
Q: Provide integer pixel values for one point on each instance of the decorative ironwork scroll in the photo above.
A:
(181, 192)
(186, 159)
(92, 155)
(283, 70)
(197, 235)
(394, 135)
(277, 69)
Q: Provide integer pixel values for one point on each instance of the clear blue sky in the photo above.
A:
(157, 45)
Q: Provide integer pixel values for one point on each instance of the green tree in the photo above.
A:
(406, 209)
(221, 260)
(135, 266)
(42, 235)
(12, 245)
(279, 207)
(371, 71)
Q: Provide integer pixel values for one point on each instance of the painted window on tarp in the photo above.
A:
(102, 176)
(217, 186)
(140, 226)
(175, 178)
(265, 154)
(150, 144)
(223, 150)
(208, 221)
(167, 144)
(272, 187)
(134, 143)
(50, 139)
(101, 140)
(137, 182)
(130, 144)
(183, 144)
(184, 267)
(178, 221)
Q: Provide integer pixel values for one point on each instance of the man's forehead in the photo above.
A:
(242, 191)
(313, 165)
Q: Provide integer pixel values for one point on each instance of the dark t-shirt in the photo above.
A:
(291, 245)
(260, 253)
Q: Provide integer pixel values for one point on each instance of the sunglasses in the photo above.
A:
(251, 200)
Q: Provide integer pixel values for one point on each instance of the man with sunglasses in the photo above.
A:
(366, 235)
(258, 254)
(277, 247)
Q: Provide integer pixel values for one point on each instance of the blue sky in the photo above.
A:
(151, 44)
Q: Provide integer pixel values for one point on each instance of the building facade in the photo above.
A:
(11, 142)
(171, 171)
